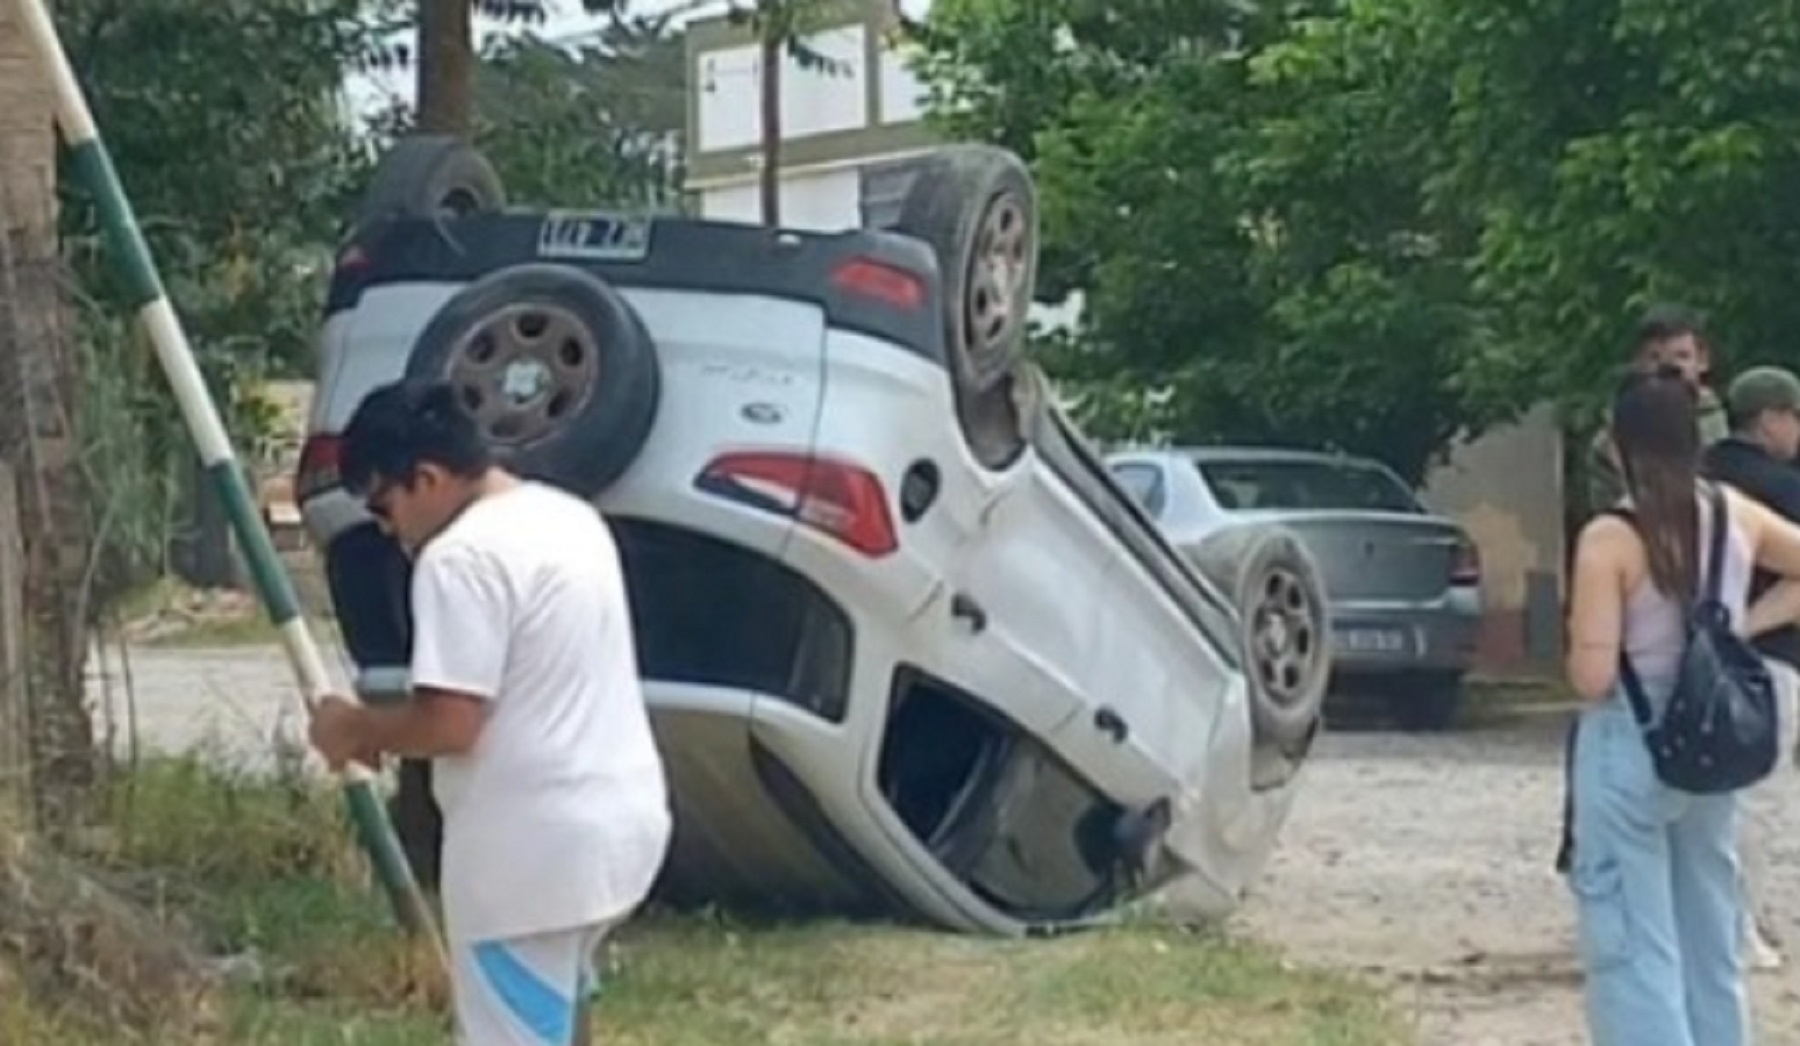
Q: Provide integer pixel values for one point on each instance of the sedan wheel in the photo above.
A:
(1281, 603)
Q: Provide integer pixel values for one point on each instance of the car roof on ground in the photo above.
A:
(1232, 452)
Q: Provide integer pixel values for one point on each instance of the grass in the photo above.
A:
(1546, 691)
(183, 621)
(262, 869)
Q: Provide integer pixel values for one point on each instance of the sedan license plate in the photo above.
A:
(1373, 641)
(594, 236)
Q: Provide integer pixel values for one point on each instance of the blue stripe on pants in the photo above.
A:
(540, 1007)
(1655, 879)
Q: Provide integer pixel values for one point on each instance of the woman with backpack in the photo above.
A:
(1654, 867)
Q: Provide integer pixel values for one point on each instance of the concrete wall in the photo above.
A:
(866, 104)
(1507, 489)
(818, 200)
(814, 101)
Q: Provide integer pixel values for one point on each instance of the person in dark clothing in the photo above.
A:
(1757, 457)
(1763, 408)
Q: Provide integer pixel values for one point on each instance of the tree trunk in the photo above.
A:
(446, 67)
(770, 176)
(38, 405)
(15, 696)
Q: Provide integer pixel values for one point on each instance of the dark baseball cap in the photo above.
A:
(1761, 389)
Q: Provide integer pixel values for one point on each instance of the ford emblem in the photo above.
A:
(761, 413)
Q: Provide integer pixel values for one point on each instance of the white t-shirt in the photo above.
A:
(559, 817)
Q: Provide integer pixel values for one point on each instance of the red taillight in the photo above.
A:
(833, 497)
(1465, 569)
(353, 258)
(318, 470)
(886, 283)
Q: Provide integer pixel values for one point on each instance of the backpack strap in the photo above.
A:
(1565, 847)
(1634, 690)
(1715, 554)
(1710, 584)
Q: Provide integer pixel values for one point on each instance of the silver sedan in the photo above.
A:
(1403, 586)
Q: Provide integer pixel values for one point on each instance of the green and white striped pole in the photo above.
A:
(93, 167)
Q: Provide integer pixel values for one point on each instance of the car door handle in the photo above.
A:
(1108, 721)
(963, 605)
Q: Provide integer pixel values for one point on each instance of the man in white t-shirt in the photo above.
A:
(525, 695)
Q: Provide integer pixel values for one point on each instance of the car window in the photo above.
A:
(1243, 485)
(1143, 482)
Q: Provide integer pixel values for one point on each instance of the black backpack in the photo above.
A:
(1718, 731)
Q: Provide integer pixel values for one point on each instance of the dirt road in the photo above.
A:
(1427, 861)
(1422, 860)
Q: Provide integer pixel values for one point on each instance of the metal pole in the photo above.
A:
(93, 167)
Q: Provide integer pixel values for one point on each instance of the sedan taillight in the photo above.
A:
(318, 470)
(1465, 569)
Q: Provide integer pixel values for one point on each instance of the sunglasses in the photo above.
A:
(378, 501)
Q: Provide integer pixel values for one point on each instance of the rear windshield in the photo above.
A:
(1246, 485)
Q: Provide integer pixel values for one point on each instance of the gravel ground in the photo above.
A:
(1424, 861)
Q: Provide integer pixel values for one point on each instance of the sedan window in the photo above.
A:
(1242, 485)
(1144, 483)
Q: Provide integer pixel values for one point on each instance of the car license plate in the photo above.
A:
(594, 236)
(1372, 640)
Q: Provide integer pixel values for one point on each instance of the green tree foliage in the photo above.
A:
(228, 122)
(224, 118)
(444, 33)
(1376, 223)
(1602, 156)
(595, 121)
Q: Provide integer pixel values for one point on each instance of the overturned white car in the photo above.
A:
(909, 649)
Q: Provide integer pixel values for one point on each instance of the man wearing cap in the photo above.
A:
(1757, 457)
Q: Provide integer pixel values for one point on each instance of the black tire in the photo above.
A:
(431, 175)
(585, 427)
(976, 207)
(1426, 703)
(1275, 583)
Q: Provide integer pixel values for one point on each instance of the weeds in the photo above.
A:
(264, 872)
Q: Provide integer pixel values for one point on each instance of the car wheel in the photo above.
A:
(1281, 607)
(431, 175)
(1426, 703)
(557, 370)
(977, 209)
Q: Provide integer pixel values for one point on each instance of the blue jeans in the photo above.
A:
(1655, 879)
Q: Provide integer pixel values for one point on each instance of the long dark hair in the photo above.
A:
(1655, 428)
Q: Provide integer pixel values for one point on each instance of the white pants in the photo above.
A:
(523, 991)
(1751, 828)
